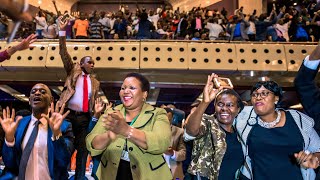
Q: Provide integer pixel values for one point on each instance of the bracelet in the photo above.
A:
(130, 133)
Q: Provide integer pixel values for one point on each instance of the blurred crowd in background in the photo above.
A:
(288, 24)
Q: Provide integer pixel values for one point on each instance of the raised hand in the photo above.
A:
(25, 43)
(115, 122)
(9, 123)
(55, 118)
(209, 91)
(62, 24)
(98, 106)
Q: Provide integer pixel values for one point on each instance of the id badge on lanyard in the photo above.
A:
(125, 154)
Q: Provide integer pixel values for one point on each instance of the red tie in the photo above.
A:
(85, 102)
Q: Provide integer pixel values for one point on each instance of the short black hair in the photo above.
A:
(83, 59)
(234, 93)
(271, 86)
(145, 85)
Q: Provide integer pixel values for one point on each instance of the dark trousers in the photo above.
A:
(80, 123)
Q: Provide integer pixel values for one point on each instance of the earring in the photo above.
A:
(143, 99)
(276, 102)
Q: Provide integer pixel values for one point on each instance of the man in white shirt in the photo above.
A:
(37, 146)
(214, 28)
(80, 91)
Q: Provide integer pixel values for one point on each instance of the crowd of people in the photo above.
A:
(293, 23)
(135, 140)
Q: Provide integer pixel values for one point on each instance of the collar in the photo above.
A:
(82, 73)
(42, 120)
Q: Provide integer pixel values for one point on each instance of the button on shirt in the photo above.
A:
(37, 167)
(75, 102)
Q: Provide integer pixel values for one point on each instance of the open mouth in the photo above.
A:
(224, 115)
(126, 98)
(37, 100)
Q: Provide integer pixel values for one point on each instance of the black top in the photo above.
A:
(272, 151)
(124, 169)
(232, 159)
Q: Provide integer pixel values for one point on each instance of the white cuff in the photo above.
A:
(62, 33)
(173, 157)
(94, 119)
(311, 64)
(187, 137)
(10, 144)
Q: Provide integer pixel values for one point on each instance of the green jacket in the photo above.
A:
(145, 164)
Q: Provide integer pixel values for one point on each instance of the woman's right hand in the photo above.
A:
(209, 91)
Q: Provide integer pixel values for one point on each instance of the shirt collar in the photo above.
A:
(42, 120)
(88, 75)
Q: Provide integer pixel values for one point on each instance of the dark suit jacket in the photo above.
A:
(59, 151)
(183, 28)
(73, 71)
(309, 93)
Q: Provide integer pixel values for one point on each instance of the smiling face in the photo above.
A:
(40, 98)
(131, 93)
(263, 101)
(87, 64)
(226, 108)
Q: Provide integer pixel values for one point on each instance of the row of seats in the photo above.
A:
(166, 55)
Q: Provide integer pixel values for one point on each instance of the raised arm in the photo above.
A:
(209, 93)
(24, 44)
(306, 86)
(65, 56)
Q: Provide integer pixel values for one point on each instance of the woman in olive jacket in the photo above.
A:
(132, 136)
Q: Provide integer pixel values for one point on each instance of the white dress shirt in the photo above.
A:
(76, 101)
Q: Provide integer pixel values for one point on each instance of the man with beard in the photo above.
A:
(79, 93)
(37, 146)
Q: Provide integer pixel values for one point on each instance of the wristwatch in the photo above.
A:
(54, 138)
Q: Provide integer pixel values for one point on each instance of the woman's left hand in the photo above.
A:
(115, 122)
(307, 159)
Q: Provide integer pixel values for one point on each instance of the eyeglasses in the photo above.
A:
(263, 94)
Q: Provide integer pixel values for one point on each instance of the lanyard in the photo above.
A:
(133, 120)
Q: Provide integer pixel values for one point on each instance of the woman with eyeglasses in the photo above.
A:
(279, 144)
(217, 152)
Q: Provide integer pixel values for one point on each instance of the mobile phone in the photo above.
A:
(65, 17)
(220, 81)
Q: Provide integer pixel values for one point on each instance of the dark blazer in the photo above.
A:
(183, 28)
(59, 151)
(73, 71)
(309, 93)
